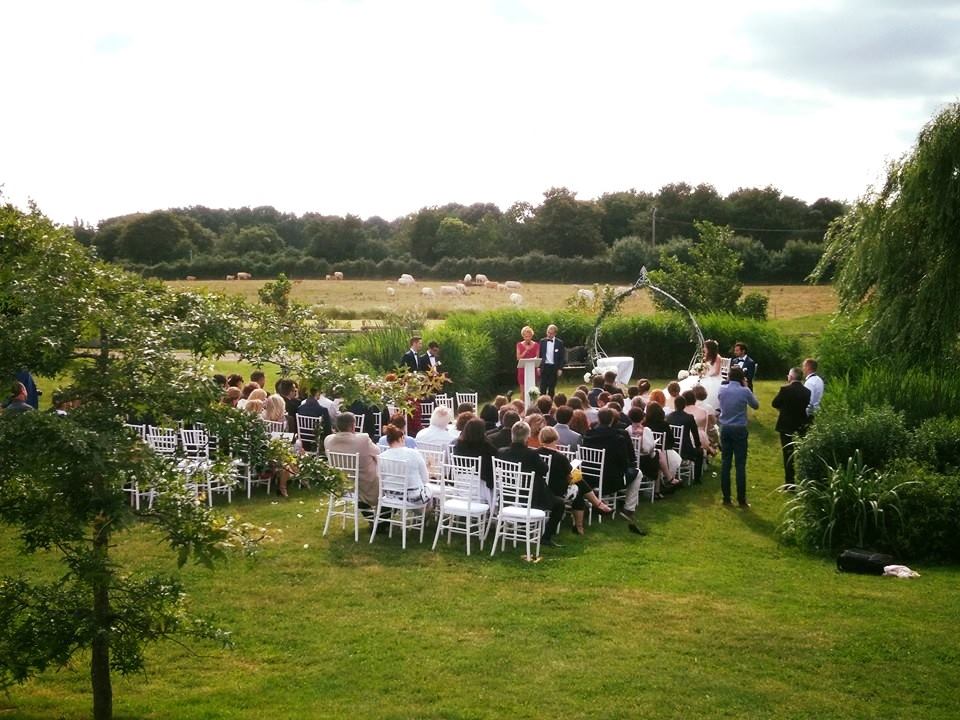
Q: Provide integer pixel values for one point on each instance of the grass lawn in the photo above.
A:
(707, 616)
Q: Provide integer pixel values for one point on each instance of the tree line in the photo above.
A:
(779, 237)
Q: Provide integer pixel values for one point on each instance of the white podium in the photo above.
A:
(529, 367)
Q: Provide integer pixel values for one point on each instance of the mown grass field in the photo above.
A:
(357, 297)
(706, 617)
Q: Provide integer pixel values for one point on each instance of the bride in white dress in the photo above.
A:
(709, 377)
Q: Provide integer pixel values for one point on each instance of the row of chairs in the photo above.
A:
(427, 408)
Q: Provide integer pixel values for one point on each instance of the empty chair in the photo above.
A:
(443, 399)
(516, 518)
(346, 505)
(358, 422)
(307, 432)
(467, 397)
(163, 441)
(426, 410)
(409, 512)
(463, 507)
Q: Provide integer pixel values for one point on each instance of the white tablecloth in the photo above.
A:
(622, 365)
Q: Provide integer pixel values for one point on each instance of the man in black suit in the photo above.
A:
(412, 358)
(311, 407)
(553, 356)
(432, 358)
(691, 447)
(620, 471)
(746, 363)
(530, 460)
(792, 401)
(501, 438)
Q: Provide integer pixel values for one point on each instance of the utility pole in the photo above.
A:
(654, 230)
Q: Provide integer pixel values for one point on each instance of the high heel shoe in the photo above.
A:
(578, 529)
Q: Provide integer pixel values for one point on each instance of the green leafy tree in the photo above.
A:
(896, 253)
(624, 214)
(708, 282)
(156, 237)
(423, 235)
(254, 238)
(277, 293)
(568, 227)
(454, 238)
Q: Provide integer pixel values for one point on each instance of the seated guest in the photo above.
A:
(579, 422)
(234, 380)
(559, 480)
(565, 435)
(399, 421)
(530, 460)
(700, 416)
(632, 392)
(231, 396)
(254, 406)
(220, 381)
(438, 432)
(501, 437)
(673, 389)
(643, 386)
(619, 461)
(331, 403)
(638, 402)
(595, 392)
(545, 408)
(311, 407)
(274, 409)
(576, 403)
(519, 406)
(648, 456)
(418, 491)
(559, 399)
(690, 448)
(259, 378)
(290, 392)
(473, 442)
(247, 389)
(465, 408)
(499, 401)
(347, 440)
(610, 382)
(655, 420)
(490, 416)
(620, 420)
(658, 397)
(462, 419)
(536, 423)
(255, 394)
(713, 429)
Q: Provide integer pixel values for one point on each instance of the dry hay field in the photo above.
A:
(368, 298)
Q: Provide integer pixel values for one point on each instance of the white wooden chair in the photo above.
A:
(426, 410)
(516, 518)
(443, 399)
(646, 484)
(724, 369)
(393, 497)
(463, 508)
(140, 430)
(565, 449)
(592, 462)
(685, 473)
(346, 505)
(276, 426)
(163, 441)
(358, 420)
(467, 397)
(307, 432)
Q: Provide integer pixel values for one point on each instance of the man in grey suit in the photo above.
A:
(566, 436)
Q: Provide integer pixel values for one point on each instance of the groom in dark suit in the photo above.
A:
(553, 356)
(792, 401)
(412, 358)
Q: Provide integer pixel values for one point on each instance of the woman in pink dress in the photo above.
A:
(526, 348)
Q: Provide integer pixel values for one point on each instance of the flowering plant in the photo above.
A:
(698, 369)
(683, 375)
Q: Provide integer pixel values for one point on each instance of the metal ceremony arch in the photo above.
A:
(594, 349)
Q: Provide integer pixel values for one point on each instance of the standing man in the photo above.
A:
(411, 358)
(734, 398)
(792, 401)
(432, 358)
(813, 383)
(746, 363)
(553, 356)
(17, 403)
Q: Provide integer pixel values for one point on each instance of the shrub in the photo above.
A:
(853, 505)
(930, 506)
(878, 434)
(936, 444)
(753, 305)
(382, 348)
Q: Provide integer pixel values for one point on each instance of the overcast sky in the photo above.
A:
(380, 107)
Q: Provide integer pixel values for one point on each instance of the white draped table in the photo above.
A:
(623, 366)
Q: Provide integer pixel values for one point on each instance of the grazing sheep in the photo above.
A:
(448, 290)
(516, 298)
(244, 276)
(481, 279)
(191, 277)
(391, 292)
(406, 279)
(461, 288)
(327, 277)
(338, 275)
(231, 277)
(467, 279)
(501, 286)
(427, 292)
(587, 295)
(490, 284)
(513, 284)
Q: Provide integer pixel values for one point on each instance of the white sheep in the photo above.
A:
(231, 277)
(516, 298)
(406, 279)
(513, 284)
(427, 292)
(587, 295)
(481, 279)
(501, 286)
(338, 275)
(191, 278)
(467, 279)
(461, 288)
(391, 292)
(448, 290)
(490, 284)
(244, 276)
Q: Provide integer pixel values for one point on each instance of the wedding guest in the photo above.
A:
(530, 460)
(620, 471)
(576, 402)
(231, 396)
(490, 416)
(499, 401)
(418, 489)
(259, 377)
(595, 391)
(431, 361)
(545, 408)
(347, 440)
(559, 399)
(311, 407)
(412, 359)
(17, 400)
(792, 401)
(536, 423)
(735, 397)
(559, 479)
(690, 446)
(643, 386)
(669, 459)
(438, 432)
(813, 383)
(473, 442)
(673, 390)
(700, 417)
(610, 382)
(399, 421)
(648, 456)
(566, 436)
(553, 356)
(579, 422)
(234, 380)
(220, 381)
(274, 409)
(462, 419)
(658, 397)
(254, 406)
(527, 348)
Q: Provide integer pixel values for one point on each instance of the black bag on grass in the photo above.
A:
(865, 562)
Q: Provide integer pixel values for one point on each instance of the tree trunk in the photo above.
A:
(100, 646)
